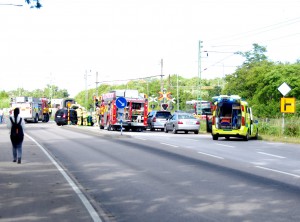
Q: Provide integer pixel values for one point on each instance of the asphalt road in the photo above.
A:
(154, 176)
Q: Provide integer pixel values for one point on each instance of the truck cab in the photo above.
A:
(232, 117)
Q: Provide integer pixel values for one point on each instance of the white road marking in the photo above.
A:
(81, 196)
(225, 145)
(268, 154)
(168, 144)
(277, 143)
(140, 138)
(191, 139)
(207, 154)
(278, 171)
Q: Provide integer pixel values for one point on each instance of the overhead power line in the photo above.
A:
(258, 31)
(11, 4)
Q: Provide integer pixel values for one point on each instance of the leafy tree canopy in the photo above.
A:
(258, 79)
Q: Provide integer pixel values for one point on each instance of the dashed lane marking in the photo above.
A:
(207, 154)
(269, 154)
(224, 145)
(167, 144)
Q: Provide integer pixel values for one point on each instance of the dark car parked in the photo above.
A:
(157, 119)
(61, 117)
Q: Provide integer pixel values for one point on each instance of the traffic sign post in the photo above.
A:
(121, 112)
(121, 103)
(287, 105)
(284, 89)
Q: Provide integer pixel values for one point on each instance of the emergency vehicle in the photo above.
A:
(232, 117)
(200, 108)
(133, 116)
(31, 109)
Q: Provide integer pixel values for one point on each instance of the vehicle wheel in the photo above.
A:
(36, 118)
(196, 132)
(151, 128)
(215, 137)
(165, 129)
(227, 137)
(256, 135)
(246, 138)
(174, 131)
(46, 118)
(186, 132)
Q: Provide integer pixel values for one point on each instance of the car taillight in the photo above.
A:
(243, 121)
(213, 120)
(64, 116)
(154, 119)
(180, 122)
(198, 123)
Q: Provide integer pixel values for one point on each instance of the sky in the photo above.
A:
(66, 43)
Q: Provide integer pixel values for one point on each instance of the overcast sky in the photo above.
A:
(124, 39)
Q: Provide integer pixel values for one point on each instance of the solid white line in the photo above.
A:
(278, 171)
(211, 155)
(271, 155)
(224, 145)
(168, 144)
(83, 199)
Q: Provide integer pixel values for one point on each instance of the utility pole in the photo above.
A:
(97, 84)
(161, 75)
(162, 81)
(86, 92)
(50, 88)
(177, 94)
(199, 74)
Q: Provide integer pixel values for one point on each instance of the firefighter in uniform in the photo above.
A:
(79, 116)
(97, 117)
(101, 112)
(84, 116)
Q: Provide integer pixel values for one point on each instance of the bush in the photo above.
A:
(292, 127)
(273, 127)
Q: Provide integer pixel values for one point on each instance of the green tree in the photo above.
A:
(256, 55)
(258, 79)
(4, 99)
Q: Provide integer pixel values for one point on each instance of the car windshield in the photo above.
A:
(186, 116)
(60, 112)
(162, 115)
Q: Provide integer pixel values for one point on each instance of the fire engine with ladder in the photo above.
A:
(134, 115)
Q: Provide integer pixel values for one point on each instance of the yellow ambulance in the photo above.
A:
(232, 117)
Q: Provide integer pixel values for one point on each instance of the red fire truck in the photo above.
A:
(134, 115)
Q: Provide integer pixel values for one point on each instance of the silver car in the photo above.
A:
(157, 119)
(182, 122)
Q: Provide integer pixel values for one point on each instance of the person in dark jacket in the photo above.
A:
(16, 141)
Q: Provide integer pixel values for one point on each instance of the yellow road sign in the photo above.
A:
(287, 105)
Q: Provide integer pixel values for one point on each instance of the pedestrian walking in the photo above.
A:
(1, 116)
(16, 125)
